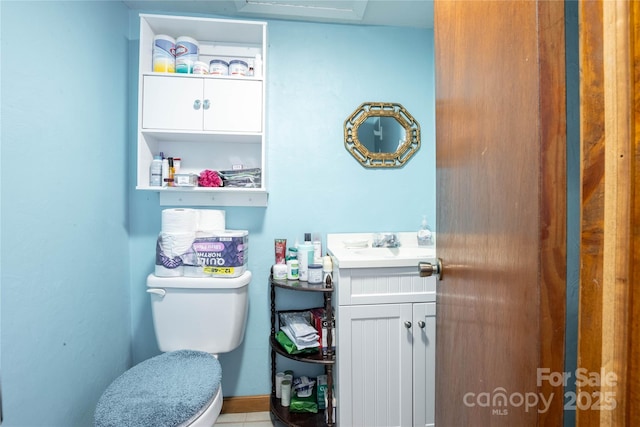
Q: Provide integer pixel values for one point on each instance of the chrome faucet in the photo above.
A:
(385, 240)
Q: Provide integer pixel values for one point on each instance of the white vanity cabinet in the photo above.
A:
(386, 333)
(211, 122)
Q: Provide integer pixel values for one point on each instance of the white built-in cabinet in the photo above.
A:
(386, 332)
(209, 122)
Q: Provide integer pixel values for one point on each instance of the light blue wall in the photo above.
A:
(318, 75)
(65, 259)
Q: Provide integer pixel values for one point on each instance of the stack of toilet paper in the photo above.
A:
(175, 252)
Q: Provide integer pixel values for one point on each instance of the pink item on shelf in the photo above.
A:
(209, 178)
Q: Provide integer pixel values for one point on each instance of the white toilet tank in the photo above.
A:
(195, 313)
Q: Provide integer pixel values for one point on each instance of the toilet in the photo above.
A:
(194, 319)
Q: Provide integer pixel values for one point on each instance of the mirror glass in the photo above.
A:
(381, 135)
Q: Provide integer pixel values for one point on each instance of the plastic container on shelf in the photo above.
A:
(155, 172)
(200, 68)
(187, 52)
(218, 67)
(164, 58)
(238, 67)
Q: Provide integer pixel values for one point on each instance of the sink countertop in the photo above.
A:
(353, 250)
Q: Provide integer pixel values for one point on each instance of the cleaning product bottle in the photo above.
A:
(316, 241)
(293, 266)
(165, 172)
(155, 172)
(424, 233)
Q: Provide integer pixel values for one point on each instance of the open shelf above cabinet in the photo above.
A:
(210, 122)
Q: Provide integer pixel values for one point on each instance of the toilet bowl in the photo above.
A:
(194, 320)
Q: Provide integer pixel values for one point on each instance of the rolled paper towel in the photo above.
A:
(211, 219)
(179, 220)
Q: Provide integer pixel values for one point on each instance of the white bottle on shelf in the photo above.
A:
(155, 172)
(165, 172)
(257, 66)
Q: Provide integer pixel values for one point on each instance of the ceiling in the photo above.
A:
(399, 13)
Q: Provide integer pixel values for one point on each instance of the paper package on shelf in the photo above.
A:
(296, 326)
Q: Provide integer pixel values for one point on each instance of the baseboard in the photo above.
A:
(239, 404)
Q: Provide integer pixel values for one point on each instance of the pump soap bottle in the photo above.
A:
(424, 233)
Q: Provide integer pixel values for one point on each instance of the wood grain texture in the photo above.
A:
(633, 397)
(592, 199)
(553, 203)
(241, 404)
(609, 231)
(501, 207)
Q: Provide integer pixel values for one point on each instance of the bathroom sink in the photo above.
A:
(362, 255)
(401, 252)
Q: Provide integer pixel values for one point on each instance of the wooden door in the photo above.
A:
(500, 131)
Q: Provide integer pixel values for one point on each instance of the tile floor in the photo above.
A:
(249, 419)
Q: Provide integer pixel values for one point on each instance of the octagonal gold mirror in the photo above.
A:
(381, 135)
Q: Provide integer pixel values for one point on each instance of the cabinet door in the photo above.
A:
(170, 103)
(234, 105)
(374, 365)
(424, 364)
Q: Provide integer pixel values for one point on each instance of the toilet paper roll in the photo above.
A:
(162, 271)
(179, 220)
(174, 245)
(211, 219)
(194, 271)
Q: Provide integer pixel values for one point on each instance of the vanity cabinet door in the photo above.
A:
(424, 364)
(172, 103)
(234, 105)
(375, 365)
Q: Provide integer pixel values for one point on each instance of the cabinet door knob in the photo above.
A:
(407, 324)
(206, 104)
(196, 104)
(421, 324)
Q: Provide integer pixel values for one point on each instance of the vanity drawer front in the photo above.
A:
(383, 286)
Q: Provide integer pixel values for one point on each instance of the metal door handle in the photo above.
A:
(421, 324)
(426, 269)
(407, 324)
(206, 104)
(196, 104)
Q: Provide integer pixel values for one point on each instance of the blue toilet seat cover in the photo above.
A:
(168, 390)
